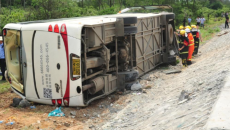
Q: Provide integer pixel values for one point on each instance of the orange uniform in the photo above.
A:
(190, 49)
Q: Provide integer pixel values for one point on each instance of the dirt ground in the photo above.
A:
(156, 107)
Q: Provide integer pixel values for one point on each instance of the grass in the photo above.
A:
(4, 85)
(211, 28)
(177, 61)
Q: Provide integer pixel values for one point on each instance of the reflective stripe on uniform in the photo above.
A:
(184, 52)
(196, 42)
(191, 44)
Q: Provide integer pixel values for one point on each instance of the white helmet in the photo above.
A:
(187, 30)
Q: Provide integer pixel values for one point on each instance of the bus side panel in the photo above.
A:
(75, 85)
(76, 101)
(28, 76)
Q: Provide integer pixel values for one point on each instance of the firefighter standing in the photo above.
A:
(183, 47)
(190, 45)
(197, 37)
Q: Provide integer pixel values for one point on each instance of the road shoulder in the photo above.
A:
(220, 116)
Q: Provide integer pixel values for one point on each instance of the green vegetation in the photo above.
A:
(211, 28)
(30, 10)
(177, 61)
(4, 86)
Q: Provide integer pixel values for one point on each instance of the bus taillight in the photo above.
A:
(53, 101)
(59, 102)
(56, 28)
(50, 29)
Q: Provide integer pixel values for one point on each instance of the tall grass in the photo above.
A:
(211, 28)
(4, 85)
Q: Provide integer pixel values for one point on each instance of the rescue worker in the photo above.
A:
(178, 30)
(183, 47)
(190, 45)
(181, 28)
(197, 37)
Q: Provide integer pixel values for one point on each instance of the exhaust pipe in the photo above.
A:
(96, 85)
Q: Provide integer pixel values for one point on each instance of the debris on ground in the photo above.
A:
(10, 123)
(16, 102)
(222, 33)
(24, 103)
(32, 107)
(56, 112)
(171, 71)
(11, 119)
(66, 124)
(136, 87)
(73, 113)
(184, 96)
(183, 101)
(152, 77)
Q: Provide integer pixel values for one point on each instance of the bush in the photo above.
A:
(217, 29)
(210, 30)
(107, 11)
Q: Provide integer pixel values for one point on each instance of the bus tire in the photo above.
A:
(170, 16)
(130, 20)
(130, 76)
(130, 30)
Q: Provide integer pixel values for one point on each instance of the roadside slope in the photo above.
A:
(160, 108)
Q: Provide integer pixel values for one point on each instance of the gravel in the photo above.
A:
(159, 108)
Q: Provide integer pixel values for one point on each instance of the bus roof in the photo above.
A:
(93, 19)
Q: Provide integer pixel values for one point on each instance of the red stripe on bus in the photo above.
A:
(63, 32)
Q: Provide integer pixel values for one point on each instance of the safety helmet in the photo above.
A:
(182, 32)
(187, 30)
(188, 27)
(193, 26)
(181, 27)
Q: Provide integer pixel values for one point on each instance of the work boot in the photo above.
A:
(189, 62)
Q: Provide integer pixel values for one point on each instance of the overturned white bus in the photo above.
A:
(73, 61)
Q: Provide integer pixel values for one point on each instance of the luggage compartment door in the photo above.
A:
(49, 65)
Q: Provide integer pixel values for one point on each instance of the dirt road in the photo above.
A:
(157, 108)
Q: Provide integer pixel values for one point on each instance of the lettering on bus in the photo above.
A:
(41, 63)
(45, 75)
(41, 59)
(47, 57)
(48, 80)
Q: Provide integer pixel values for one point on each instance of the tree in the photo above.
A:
(216, 5)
